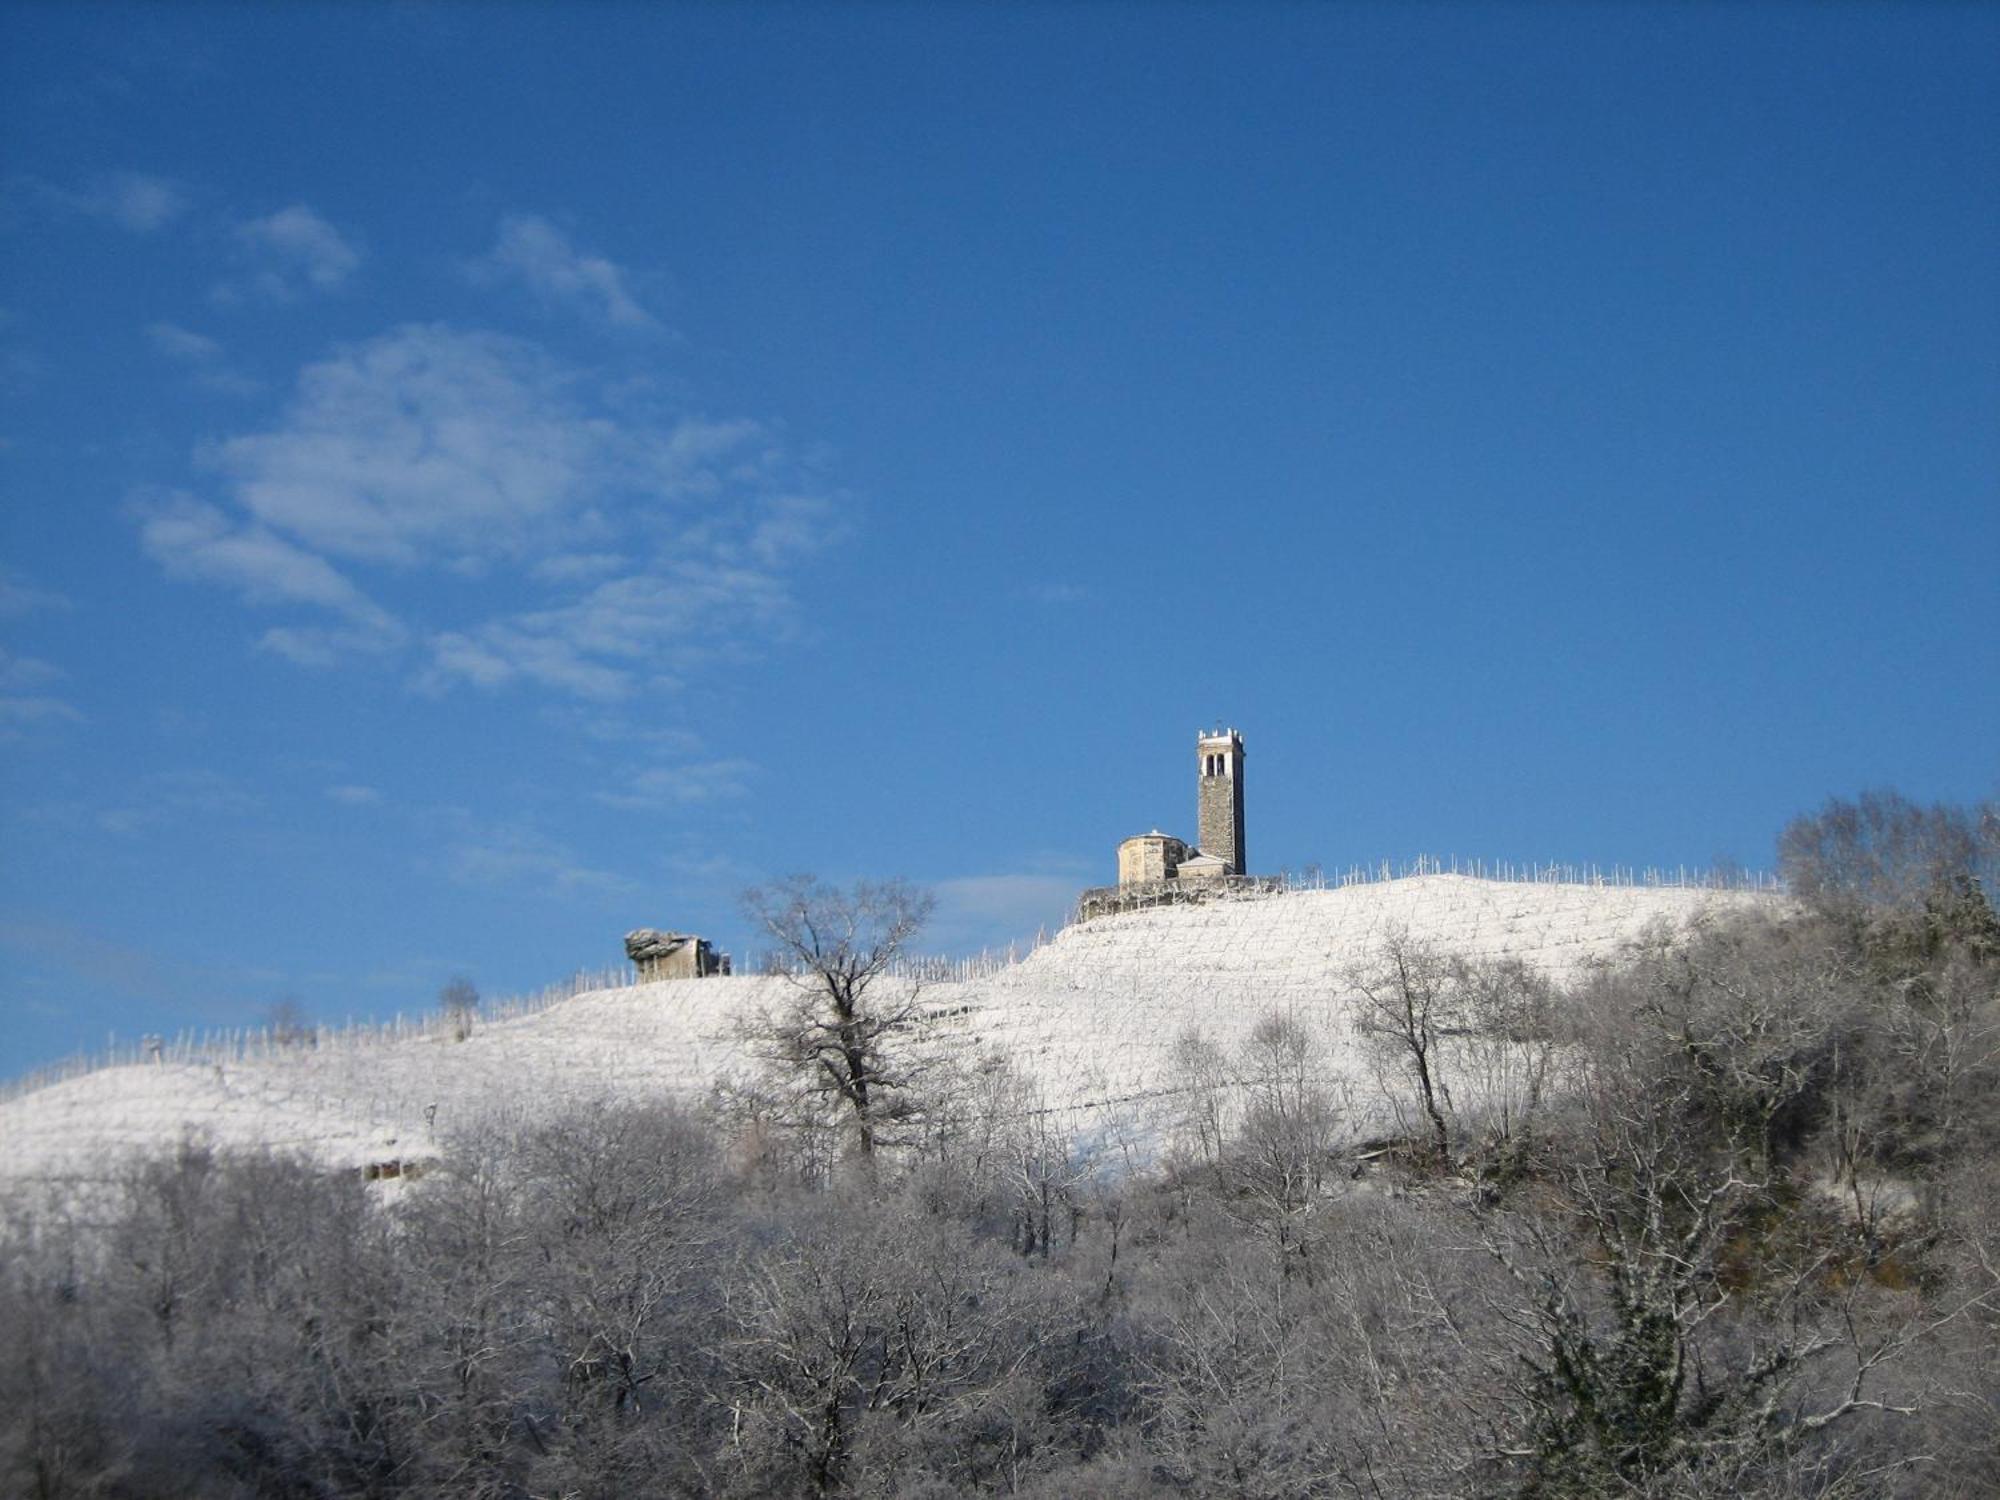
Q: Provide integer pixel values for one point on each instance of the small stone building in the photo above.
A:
(1150, 856)
(1203, 867)
(672, 955)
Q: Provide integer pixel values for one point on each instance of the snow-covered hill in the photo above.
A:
(1091, 1017)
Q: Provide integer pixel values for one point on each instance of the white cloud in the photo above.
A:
(167, 797)
(641, 628)
(793, 527)
(692, 784)
(178, 343)
(36, 709)
(202, 356)
(322, 646)
(500, 654)
(353, 796)
(195, 540)
(19, 715)
(569, 567)
(287, 254)
(533, 252)
(478, 853)
(20, 597)
(427, 443)
(192, 539)
(631, 545)
(616, 729)
(23, 707)
(21, 672)
(134, 201)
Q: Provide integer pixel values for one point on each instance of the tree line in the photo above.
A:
(1723, 1218)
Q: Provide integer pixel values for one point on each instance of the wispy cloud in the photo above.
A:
(18, 672)
(604, 726)
(168, 797)
(178, 343)
(353, 796)
(649, 628)
(327, 645)
(193, 539)
(476, 852)
(689, 784)
(134, 201)
(500, 654)
(202, 356)
(25, 705)
(427, 444)
(287, 254)
(532, 252)
(570, 567)
(634, 545)
(20, 715)
(20, 597)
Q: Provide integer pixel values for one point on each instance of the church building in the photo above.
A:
(1156, 856)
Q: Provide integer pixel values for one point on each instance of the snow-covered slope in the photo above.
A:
(1092, 1017)
(1096, 1014)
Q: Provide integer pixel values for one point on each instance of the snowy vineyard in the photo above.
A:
(1090, 1019)
(1650, 877)
(240, 1044)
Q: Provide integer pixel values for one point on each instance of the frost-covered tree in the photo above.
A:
(1884, 857)
(459, 1001)
(839, 1040)
(1410, 998)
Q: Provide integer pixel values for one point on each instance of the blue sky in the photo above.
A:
(481, 478)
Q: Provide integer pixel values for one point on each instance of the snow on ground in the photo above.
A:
(1096, 1014)
(1092, 1017)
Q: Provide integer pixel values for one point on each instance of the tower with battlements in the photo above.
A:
(1219, 823)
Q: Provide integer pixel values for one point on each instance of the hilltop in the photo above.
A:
(1091, 1018)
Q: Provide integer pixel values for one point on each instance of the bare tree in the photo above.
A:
(1698, 1320)
(886, 1339)
(1204, 1118)
(288, 1025)
(1290, 1127)
(1410, 999)
(1507, 1062)
(1887, 856)
(840, 1037)
(1905, 897)
(459, 1001)
(621, 1220)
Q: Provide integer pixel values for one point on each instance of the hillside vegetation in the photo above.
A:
(1325, 1195)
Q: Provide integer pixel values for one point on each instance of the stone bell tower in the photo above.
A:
(1220, 829)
